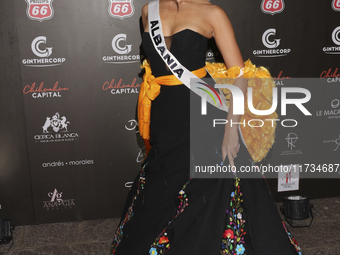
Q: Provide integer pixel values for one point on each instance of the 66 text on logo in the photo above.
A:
(272, 6)
(39, 9)
(121, 8)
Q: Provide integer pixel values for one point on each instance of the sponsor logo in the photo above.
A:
(331, 76)
(39, 9)
(336, 41)
(272, 6)
(331, 113)
(122, 48)
(59, 163)
(336, 143)
(272, 43)
(132, 124)
(211, 55)
(118, 88)
(336, 5)
(44, 92)
(128, 185)
(279, 79)
(291, 140)
(50, 130)
(121, 8)
(57, 202)
(141, 155)
(43, 52)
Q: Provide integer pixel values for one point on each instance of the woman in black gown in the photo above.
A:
(166, 211)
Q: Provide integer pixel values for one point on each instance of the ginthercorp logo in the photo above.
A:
(272, 6)
(121, 8)
(333, 112)
(271, 42)
(125, 49)
(122, 48)
(336, 41)
(50, 130)
(35, 46)
(39, 9)
(291, 140)
(41, 49)
(336, 5)
(56, 202)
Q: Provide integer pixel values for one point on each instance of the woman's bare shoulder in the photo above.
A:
(145, 10)
(214, 11)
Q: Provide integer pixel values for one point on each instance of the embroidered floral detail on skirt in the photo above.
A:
(292, 240)
(162, 242)
(119, 232)
(233, 236)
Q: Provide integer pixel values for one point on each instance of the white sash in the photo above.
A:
(184, 75)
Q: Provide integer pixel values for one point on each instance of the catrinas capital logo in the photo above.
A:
(39, 9)
(121, 8)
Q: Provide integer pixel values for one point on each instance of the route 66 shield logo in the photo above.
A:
(336, 5)
(121, 8)
(39, 9)
(272, 6)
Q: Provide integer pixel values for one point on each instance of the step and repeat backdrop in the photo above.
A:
(70, 78)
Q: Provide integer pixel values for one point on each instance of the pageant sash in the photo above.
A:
(182, 73)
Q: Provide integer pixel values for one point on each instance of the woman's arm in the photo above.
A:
(145, 17)
(226, 42)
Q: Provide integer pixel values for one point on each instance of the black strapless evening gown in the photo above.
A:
(165, 211)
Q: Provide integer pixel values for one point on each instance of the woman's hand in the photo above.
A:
(230, 144)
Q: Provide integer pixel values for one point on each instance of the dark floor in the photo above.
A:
(94, 236)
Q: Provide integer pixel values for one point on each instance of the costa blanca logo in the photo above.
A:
(333, 112)
(291, 140)
(39, 9)
(132, 124)
(121, 8)
(272, 6)
(50, 130)
(336, 5)
(272, 43)
(336, 41)
(56, 123)
(40, 49)
(121, 47)
(56, 201)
